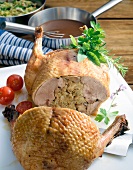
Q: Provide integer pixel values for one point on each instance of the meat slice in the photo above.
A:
(58, 80)
(46, 138)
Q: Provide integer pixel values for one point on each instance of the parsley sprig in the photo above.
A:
(104, 115)
(91, 45)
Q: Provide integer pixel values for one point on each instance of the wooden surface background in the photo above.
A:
(117, 23)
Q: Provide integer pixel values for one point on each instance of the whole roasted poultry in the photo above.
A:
(58, 134)
(58, 80)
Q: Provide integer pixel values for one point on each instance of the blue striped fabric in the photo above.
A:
(14, 50)
(56, 43)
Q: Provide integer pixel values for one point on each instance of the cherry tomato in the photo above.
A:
(23, 106)
(15, 82)
(6, 95)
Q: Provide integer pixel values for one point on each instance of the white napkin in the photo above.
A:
(119, 145)
(14, 50)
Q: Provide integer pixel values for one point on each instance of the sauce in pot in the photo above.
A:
(65, 26)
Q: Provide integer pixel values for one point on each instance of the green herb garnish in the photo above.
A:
(91, 45)
(104, 115)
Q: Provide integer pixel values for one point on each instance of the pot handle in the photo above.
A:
(19, 28)
(105, 7)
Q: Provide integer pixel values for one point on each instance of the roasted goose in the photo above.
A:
(46, 138)
(58, 80)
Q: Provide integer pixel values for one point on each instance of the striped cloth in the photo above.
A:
(14, 50)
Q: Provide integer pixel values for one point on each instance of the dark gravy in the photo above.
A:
(65, 26)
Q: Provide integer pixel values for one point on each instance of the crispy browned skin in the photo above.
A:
(84, 85)
(45, 138)
(35, 61)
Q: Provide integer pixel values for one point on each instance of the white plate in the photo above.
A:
(107, 161)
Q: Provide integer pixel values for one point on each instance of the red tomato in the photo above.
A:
(15, 82)
(23, 106)
(6, 95)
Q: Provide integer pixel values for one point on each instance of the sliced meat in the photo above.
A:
(59, 80)
(84, 94)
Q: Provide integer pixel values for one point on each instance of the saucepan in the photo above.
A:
(52, 15)
(19, 18)
(69, 13)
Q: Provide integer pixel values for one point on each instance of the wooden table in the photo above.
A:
(117, 23)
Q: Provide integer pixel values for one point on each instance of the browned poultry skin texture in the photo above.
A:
(53, 138)
(46, 138)
(44, 71)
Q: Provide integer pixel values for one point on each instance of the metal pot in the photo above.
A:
(66, 13)
(69, 13)
(23, 19)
